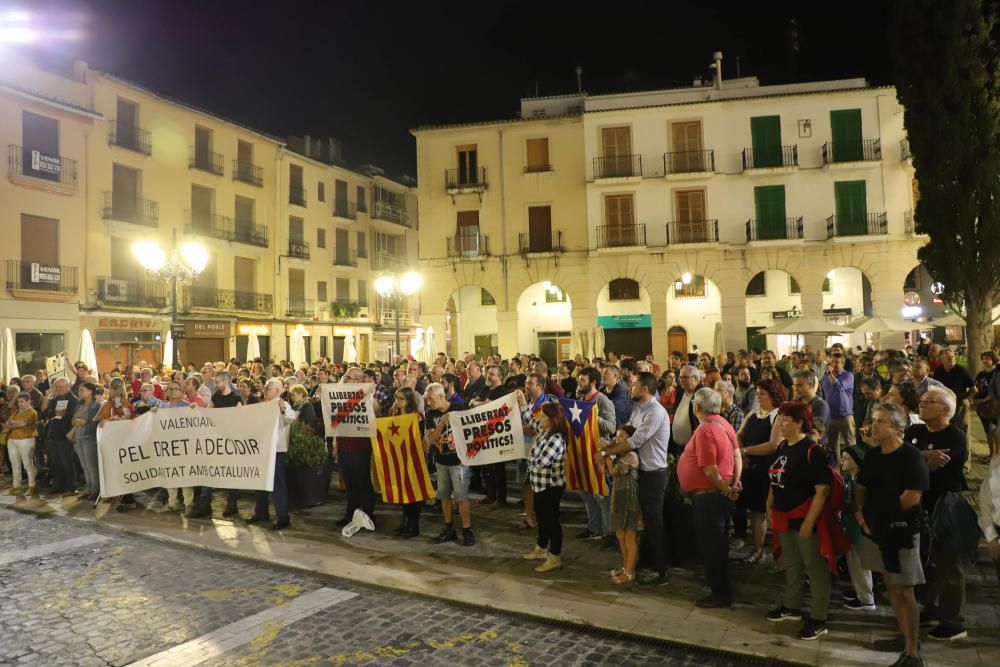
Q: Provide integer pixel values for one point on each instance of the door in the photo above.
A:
(845, 129)
(39, 244)
(616, 148)
(127, 123)
(539, 228)
(636, 341)
(338, 349)
(296, 290)
(41, 134)
(769, 201)
(687, 156)
(125, 192)
(296, 230)
(244, 282)
(468, 164)
(852, 208)
(755, 339)
(765, 134)
(467, 233)
(340, 197)
(484, 345)
(244, 220)
(691, 224)
(199, 351)
(341, 250)
(619, 221)
(202, 147)
(202, 205)
(677, 340)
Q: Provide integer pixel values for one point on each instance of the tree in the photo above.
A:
(946, 69)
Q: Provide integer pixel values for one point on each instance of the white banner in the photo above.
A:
(231, 448)
(58, 367)
(348, 409)
(490, 433)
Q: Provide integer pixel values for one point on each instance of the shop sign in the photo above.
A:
(837, 312)
(625, 321)
(785, 314)
(132, 324)
(45, 274)
(207, 329)
(259, 329)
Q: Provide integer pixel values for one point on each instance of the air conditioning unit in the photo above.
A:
(363, 313)
(116, 291)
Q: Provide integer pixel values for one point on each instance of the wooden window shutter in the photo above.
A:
(538, 154)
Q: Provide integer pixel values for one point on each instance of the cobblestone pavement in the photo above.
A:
(73, 595)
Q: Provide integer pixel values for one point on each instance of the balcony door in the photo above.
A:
(342, 246)
(39, 244)
(765, 136)
(244, 282)
(125, 189)
(468, 164)
(202, 205)
(685, 138)
(691, 224)
(296, 290)
(851, 199)
(540, 228)
(616, 148)
(340, 197)
(769, 201)
(126, 122)
(467, 238)
(619, 221)
(244, 209)
(203, 147)
(845, 130)
(40, 138)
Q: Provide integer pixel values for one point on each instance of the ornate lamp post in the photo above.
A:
(183, 265)
(398, 288)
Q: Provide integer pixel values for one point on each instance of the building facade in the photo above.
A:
(668, 220)
(96, 163)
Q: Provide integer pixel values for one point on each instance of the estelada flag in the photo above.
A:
(582, 471)
(398, 457)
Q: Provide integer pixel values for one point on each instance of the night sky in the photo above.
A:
(366, 72)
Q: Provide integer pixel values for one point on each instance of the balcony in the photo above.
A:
(298, 249)
(862, 150)
(300, 307)
(389, 317)
(910, 225)
(874, 224)
(206, 160)
(528, 244)
(465, 180)
(904, 150)
(621, 236)
(383, 210)
(41, 282)
(689, 163)
(785, 159)
(34, 169)
(345, 309)
(136, 211)
(468, 246)
(345, 257)
(297, 195)
(247, 172)
(692, 231)
(618, 166)
(210, 298)
(132, 293)
(388, 261)
(209, 224)
(774, 230)
(130, 137)
(345, 209)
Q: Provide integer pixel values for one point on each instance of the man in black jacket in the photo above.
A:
(59, 413)
(476, 382)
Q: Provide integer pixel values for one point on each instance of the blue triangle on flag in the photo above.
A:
(577, 413)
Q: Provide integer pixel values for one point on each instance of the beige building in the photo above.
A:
(102, 163)
(667, 219)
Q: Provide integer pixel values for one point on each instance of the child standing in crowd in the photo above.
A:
(861, 597)
(20, 429)
(626, 514)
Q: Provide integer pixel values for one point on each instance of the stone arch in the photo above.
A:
(544, 321)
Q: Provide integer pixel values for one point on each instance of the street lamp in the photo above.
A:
(185, 264)
(398, 288)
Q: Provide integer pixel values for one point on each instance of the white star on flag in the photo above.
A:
(576, 412)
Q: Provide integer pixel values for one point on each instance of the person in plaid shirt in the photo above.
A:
(530, 401)
(383, 399)
(546, 472)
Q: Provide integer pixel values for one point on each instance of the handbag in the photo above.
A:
(988, 408)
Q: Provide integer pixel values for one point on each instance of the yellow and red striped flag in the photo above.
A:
(582, 471)
(399, 461)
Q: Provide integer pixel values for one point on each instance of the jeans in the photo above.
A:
(356, 467)
(945, 587)
(63, 466)
(547, 514)
(840, 433)
(802, 558)
(495, 481)
(22, 453)
(712, 512)
(652, 491)
(598, 513)
(86, 451)
(280, 493)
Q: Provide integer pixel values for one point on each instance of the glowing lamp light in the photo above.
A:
(383, 285)
(149, 255)
(547, 286)
(829, 276)
(678, 285)
(410, 283)
(195, 256)
(910, 312)
(686, 279)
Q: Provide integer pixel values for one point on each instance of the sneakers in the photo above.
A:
(813, 629)
(537, 553)
(447, 534)
(948, 633)
(585, 534)
(858, 605)
(551, 563)
(907, 660)
(15, 490)
(652, 580)
(784, 614)
(468, 539)
(848, 596)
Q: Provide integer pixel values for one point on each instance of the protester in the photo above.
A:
(984, 405)
(730, 411)
(759, 437)
(279, 496)
(405, 403)
(861, 597)
(618, 393)
(838, 392)
(684, 421)
(20, 430)
(626, 513)
(59, 413)
(989, 511)
(117, 408)
(804, 383)
(452, 476)
(494, 474)
(546, 469)
(598, 506)
(957, 379)
(85, 441)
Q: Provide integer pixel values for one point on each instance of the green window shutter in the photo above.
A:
(765, 133)
(845, 130)
(852, 208)
(770, 204)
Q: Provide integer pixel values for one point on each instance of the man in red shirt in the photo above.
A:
(147, 376)
(709, 470)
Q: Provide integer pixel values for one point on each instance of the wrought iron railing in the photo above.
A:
(132, 293)
(345, 257)
(457, 179)
(206, 160)
(38, 276)
(780, 156)
(345, 209)
(619, 236)
(388, 260)
(248, 172)
(468, 245)
(686, 162)
(137, 211)
(389, 316)
(873, 224)
(383, 210)
(300, 307)
(297, 195)
(298, 249)
(618, 166)
(528, 243)
(130, 137)
(25, 161)
(223, 299)
(759, 229)
(860, 150)
(692, 231)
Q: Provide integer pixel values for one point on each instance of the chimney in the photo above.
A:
(579, 79)
(717, 57)
(307, 145)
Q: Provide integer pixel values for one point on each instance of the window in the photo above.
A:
(467, 241)
(362, 199)
(320, 238)
(296, 193)
(125, 192)
(694, 289)
(769, 205)
(845, 130)
(623, 289)
(362, 245)
(30, 349)
(826, 285)
(296, 233)
(619, 210)
(340, 198)
(363, 293)
(765, 138)
(616, 155)
(538, 155)
(486, 299)
(539, 228)
(686, 147)
(468, 164)
(321, 291)
(297, 288)
(851, 202)
(793, 286)
(757, 285)
(202, 206)
(343, 290)
(321, 191)
(40, 135)
(556, 297)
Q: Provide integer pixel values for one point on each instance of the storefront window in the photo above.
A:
(32, 348)
(127, 347)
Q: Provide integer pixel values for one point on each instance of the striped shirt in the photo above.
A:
(546, 462)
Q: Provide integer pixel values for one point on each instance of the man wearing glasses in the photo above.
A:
(494, 474)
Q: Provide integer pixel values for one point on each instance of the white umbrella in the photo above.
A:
(417, 344)
(350, 353)
(168, 350)
(778, 327)
(8, 360)
(885, 325)
(86, 353)
(717, 343)
(253, 345)
(953, 320)
(598, 343)
(429, 352)
(810, 326)
(297, 348)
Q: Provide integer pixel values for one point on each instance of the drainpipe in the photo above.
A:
(279, 156)
(503, 228)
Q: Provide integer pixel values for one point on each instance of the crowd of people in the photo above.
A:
(853, 461)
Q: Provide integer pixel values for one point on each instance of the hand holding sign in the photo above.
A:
(489, 433)
(348, 409)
